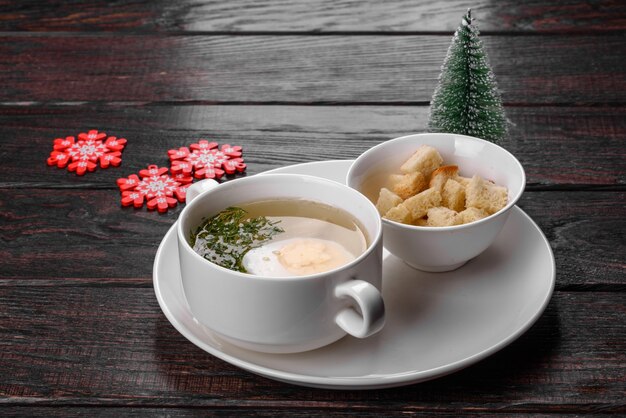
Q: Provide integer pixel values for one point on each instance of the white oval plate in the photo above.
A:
(437, 323)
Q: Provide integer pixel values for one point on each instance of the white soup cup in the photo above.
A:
(286, 314)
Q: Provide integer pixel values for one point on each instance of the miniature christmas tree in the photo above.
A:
(466, 100)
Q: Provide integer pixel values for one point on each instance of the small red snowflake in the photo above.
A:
(155, 188)
(205, 159)
(85, 154)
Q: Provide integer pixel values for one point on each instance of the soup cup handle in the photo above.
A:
(370, 303)
(200, 187)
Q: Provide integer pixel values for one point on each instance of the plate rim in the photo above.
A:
(364, 382)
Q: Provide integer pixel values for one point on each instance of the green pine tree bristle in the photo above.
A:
(466, 99)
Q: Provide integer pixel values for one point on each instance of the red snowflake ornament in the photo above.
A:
(205, 160)
(85, 154)
(156, 189)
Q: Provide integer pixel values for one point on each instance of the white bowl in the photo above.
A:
(440, 248)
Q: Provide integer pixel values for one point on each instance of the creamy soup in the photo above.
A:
(280, 238)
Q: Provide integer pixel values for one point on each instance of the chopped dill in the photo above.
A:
(225, 238)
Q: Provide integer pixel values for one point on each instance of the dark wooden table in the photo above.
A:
(81, 332)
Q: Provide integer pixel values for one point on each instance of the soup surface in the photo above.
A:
(280, 238)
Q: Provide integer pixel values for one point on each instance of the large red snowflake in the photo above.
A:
(154, 187)
(85, 154)
(206, 159)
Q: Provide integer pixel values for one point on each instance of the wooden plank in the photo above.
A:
(114, 347)
(66, 237)
(100, 411)
(319, 16)
(300, 69)
(553, 143)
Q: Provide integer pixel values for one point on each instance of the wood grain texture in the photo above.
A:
(575, 69)
(319, 16)
(558, 146)
(113, 346)
(73, 411)
(71, 237)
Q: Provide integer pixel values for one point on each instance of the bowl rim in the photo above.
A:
(389, 143)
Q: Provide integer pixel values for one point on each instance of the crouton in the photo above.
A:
(425, 160)
(399, 213)
(453, 195)
(485, 195)
(441, 216)
(420, 222)
(472, 214)
(441, 175)
(387, 200)
(407, 185)
(419, 204)
(464, 181)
